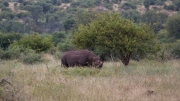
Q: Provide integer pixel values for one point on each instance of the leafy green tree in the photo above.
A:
(177, 3)
(128, 5)
(84, 17)
(68, 24)
(46, 7)
(36, 11)
(173, 26)
(20, 1)
(58, 37)
(132, 15)
(155, 20)
(6, 3)
(116, 1)
(120, 36)
(147, 3)
(67, 1)
(65, 46)
(8, 38)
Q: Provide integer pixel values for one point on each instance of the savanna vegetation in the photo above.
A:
(147, 80)
(138, 41)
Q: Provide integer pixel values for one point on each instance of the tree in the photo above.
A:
(58, 37)
(6, 3)
(147, 3)
(173, 26)
(132, 15)
(120, 36)
(8, 38)
(68, 24)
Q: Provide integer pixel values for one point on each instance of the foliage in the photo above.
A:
(6, 3)
(31, 57)
(116, 34)
(177, 3)
(68, 24)
(147, 3)
(170, 7)
(173, 26)
(155, 20)
(132, 15)
(10, 53)
(27, 56)
(35, 41)
(58, 37)
(7, 38)
(85, 17)
(176, 49)
(65, 46)
(128, 5)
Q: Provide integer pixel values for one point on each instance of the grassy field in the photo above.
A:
(140, 81)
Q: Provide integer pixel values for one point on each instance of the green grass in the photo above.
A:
(114, 82)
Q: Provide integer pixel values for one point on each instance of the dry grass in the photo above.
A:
(140, 81)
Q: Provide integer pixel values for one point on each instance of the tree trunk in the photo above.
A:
(125, 58)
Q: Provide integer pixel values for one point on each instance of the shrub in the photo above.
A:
(10, 53)
(6, 3)
(31, 57)
(36, 42)
(128, 6)
(65, 46)
(7, 39)
(58, 37)
(170, 7)
(176, 49)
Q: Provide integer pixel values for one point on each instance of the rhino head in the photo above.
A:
(96, 62)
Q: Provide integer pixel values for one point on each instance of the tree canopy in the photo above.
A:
(113, 33)
(173, 26)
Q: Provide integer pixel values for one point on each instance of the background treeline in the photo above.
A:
(29, 27)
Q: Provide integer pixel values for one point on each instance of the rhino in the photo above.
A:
(80, 58)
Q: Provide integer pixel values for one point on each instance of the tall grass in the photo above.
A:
(140, 81)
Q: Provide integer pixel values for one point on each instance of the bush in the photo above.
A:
(27, 56)
(10, 53)
(65, 46)
(176, 49)
(6, 3)
(58, 37)
(170, 7)
(128, 6)
(36, 42)
(31, 58)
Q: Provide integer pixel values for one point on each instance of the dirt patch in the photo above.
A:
(115, 7)
(65, 6)
(141, 9)
(168, 2)
(11, 6)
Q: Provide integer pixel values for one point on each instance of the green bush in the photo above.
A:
(65, 46)
(128, 5)
(10, 53)
(58, 37)
(176, 49)
(31, 58)
(36, 42)
(170, 7)
(8, 38)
